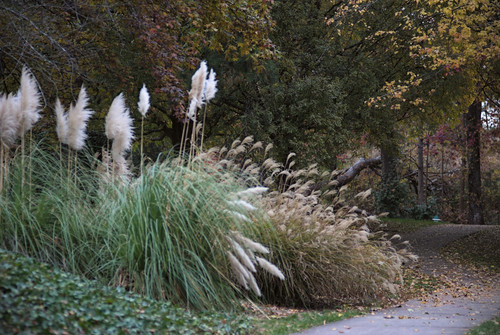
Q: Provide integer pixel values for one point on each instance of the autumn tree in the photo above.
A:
(465, 43)
(344, 70)
(114, 46)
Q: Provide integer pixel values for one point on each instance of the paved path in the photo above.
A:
(472, 299)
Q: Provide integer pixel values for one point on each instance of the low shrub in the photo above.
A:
(38, 299)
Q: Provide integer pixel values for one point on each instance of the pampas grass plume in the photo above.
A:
(62, 122)
(253, 191)
(253, 285)
(192, 109)
(248, 243)
(198, 84)
(239, 270)
(244, 258)
(30, 102)
(211, 86)
(78, 117)
(143, 103)
(113, 119)
(240, 216)
(242, 203)
(271, 268)
(119, 129)
(10, 106)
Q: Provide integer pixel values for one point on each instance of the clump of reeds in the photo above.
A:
(177, 232)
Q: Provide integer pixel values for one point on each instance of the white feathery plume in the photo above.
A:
(239, 270)
(119, 129)
(242, 203)
(395, 236)
(78, 117)
(253, 285)
(123, 141)
(247, 140)
(62, 122)
(256, 145)
(268, 148)
(192, 109)
(143, 103)
(113, 119)
(211, 86)
(271, 268)
(10, 109)
(30, 102)
(248, 243)
(198, 84)
(242, 255)
(239, 216)
(253, 191)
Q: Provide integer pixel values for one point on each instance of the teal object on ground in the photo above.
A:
(436, 218)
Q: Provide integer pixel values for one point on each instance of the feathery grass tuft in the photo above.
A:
(10, 108)
(143, 106)
(119, 129)
(62, 127)
(198, 85)
(30, 102)
(78, 117)
(143, 103)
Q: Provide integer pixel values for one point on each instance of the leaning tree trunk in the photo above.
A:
(475, 213)
(349, 174)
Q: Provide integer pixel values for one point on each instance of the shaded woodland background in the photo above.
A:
(412, 87)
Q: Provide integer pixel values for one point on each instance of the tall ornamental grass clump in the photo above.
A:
(323, 246)
(176, 233)
(178, 224)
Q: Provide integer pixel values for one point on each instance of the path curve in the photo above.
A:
(472, 299)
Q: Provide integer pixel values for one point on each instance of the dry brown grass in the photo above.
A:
(325, 249)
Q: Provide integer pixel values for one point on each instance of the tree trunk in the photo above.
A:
(475, 214)
(389, 165)
(420, 177)
(463, 172)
